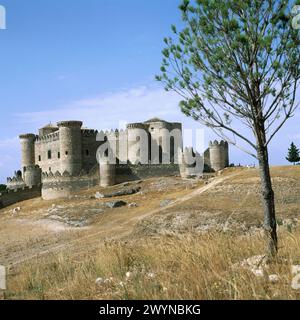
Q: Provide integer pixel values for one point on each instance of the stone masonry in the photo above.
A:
(63, 157)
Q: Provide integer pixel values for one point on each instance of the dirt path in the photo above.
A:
(116, 232)
(189, 196)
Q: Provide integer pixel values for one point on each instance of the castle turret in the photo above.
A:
(16, 182)
(218, 152)
(226, 154)
(107, 173)
(47, 129)
(70, 146)
(32, 176)
(27, 147)
(165, 137)
(191, 163)
(138, 141)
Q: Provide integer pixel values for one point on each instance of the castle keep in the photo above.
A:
(63, 158)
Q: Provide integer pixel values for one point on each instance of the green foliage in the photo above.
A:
(293, 154)
(2, 187)
(234, 59)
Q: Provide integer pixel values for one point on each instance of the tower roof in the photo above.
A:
(49, 126)
(155, 120)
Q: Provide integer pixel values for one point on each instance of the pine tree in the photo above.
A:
(236, 66)
(293, 154)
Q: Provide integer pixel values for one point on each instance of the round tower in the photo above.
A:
(27, 146)
(216, 153)
(107, 173)
(32, 176)
(70, 139)
(166, 139)
(134, 141)
(191, 164)
(226, 154)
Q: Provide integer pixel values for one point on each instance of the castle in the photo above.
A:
(64, 157)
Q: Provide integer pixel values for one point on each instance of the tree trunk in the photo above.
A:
(270, 224)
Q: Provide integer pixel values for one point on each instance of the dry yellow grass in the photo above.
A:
(188, 265)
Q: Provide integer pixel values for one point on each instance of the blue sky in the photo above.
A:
(91, 60)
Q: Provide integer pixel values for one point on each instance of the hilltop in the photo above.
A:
(170, 238)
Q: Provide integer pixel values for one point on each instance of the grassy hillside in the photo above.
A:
(188, 267)
(180, 240)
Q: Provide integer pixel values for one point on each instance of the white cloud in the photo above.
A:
(107, 110)
(103, 111)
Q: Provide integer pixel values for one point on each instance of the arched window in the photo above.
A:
(58, 155)
(49, 154)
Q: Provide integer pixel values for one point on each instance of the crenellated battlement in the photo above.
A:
(65, 152)
(15, 182)
(59, 176)
(138, 126)
(89, 132)
(48, 138)
(14, 179)
(70, 124)
(28, 136)
(219, 154)
(32, 167)
(61, 185)
(217, 143)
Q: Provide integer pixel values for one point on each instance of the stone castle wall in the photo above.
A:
(43, 145)
(70, 140)
(10, 197)
(59, 185)
(66, 153)
(15, 182)
(27, 149)
(191, 163)
(218, 155)
(143, 171)
(89, 149)
(32, 176)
